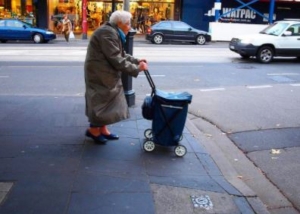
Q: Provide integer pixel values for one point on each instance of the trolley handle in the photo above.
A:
(149, 78)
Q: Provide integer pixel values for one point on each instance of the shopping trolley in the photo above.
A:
(168, 112)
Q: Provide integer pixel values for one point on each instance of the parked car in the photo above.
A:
(281, 38)
(14, 29)
(176, 31)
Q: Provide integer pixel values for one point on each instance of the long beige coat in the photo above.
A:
(105, 61)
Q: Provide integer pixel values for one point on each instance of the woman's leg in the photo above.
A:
(104, 130)
(107, 134)
(94, 132)
(67, 34)
(100, 133)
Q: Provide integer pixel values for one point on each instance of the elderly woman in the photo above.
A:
(105, 61)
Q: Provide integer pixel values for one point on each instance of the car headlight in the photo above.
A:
(49, 32)
(246, 41)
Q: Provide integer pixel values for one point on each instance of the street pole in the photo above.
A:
(84, 20)
(217, 8)
(113, 6)
(126, 79)
(126, 6)
(271, 11)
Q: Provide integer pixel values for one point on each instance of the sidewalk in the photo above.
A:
(48, 166)
(78, 38)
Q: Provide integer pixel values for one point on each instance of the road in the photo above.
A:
(255, 106)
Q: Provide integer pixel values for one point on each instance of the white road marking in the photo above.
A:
(152, 54)
(283, 74)
(259, 86)
(153, 75)
(212, 89)
(296, 84)
(4, 76)
(42, 66)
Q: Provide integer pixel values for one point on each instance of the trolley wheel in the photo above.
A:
(148, 133)
(149, 146)
(180, 150)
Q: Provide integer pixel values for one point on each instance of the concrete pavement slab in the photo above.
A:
(267, 139)
(235, 167)
(170, 200)
(4, 189)
(282, 169)
(94, 203)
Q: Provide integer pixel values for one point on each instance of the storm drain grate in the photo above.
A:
(282, 79)
(202, 201)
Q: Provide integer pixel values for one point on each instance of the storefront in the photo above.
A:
(144, 12)
(282, 10)
(198, 13)
(21, 9)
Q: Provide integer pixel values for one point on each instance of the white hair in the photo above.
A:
(120, 15)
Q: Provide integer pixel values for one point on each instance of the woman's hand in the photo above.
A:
(143, 66)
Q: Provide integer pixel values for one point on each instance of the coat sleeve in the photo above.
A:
(131, 58)
(110, 43)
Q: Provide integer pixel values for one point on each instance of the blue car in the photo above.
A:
(14, 29)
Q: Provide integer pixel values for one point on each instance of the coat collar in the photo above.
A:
(122, 36)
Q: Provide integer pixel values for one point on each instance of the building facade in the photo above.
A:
(200, 13)
(98, 12)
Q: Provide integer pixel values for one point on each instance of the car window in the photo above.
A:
(14, 23)
(180, 26)
(2, 24)
(295, 29)
(275, 29)
(165, 25)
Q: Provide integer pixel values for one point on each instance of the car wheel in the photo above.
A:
(265, 54)
(158, 39)
(200, 40)
(3, 41)
(245, 56)
(37, 38)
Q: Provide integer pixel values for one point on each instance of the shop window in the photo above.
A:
(146, 13)
(98, 12)
(57, 9)
(18, 9)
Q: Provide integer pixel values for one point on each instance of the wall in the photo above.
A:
(42, 13)
(282, 10)
(193, 13)
(226, 31)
